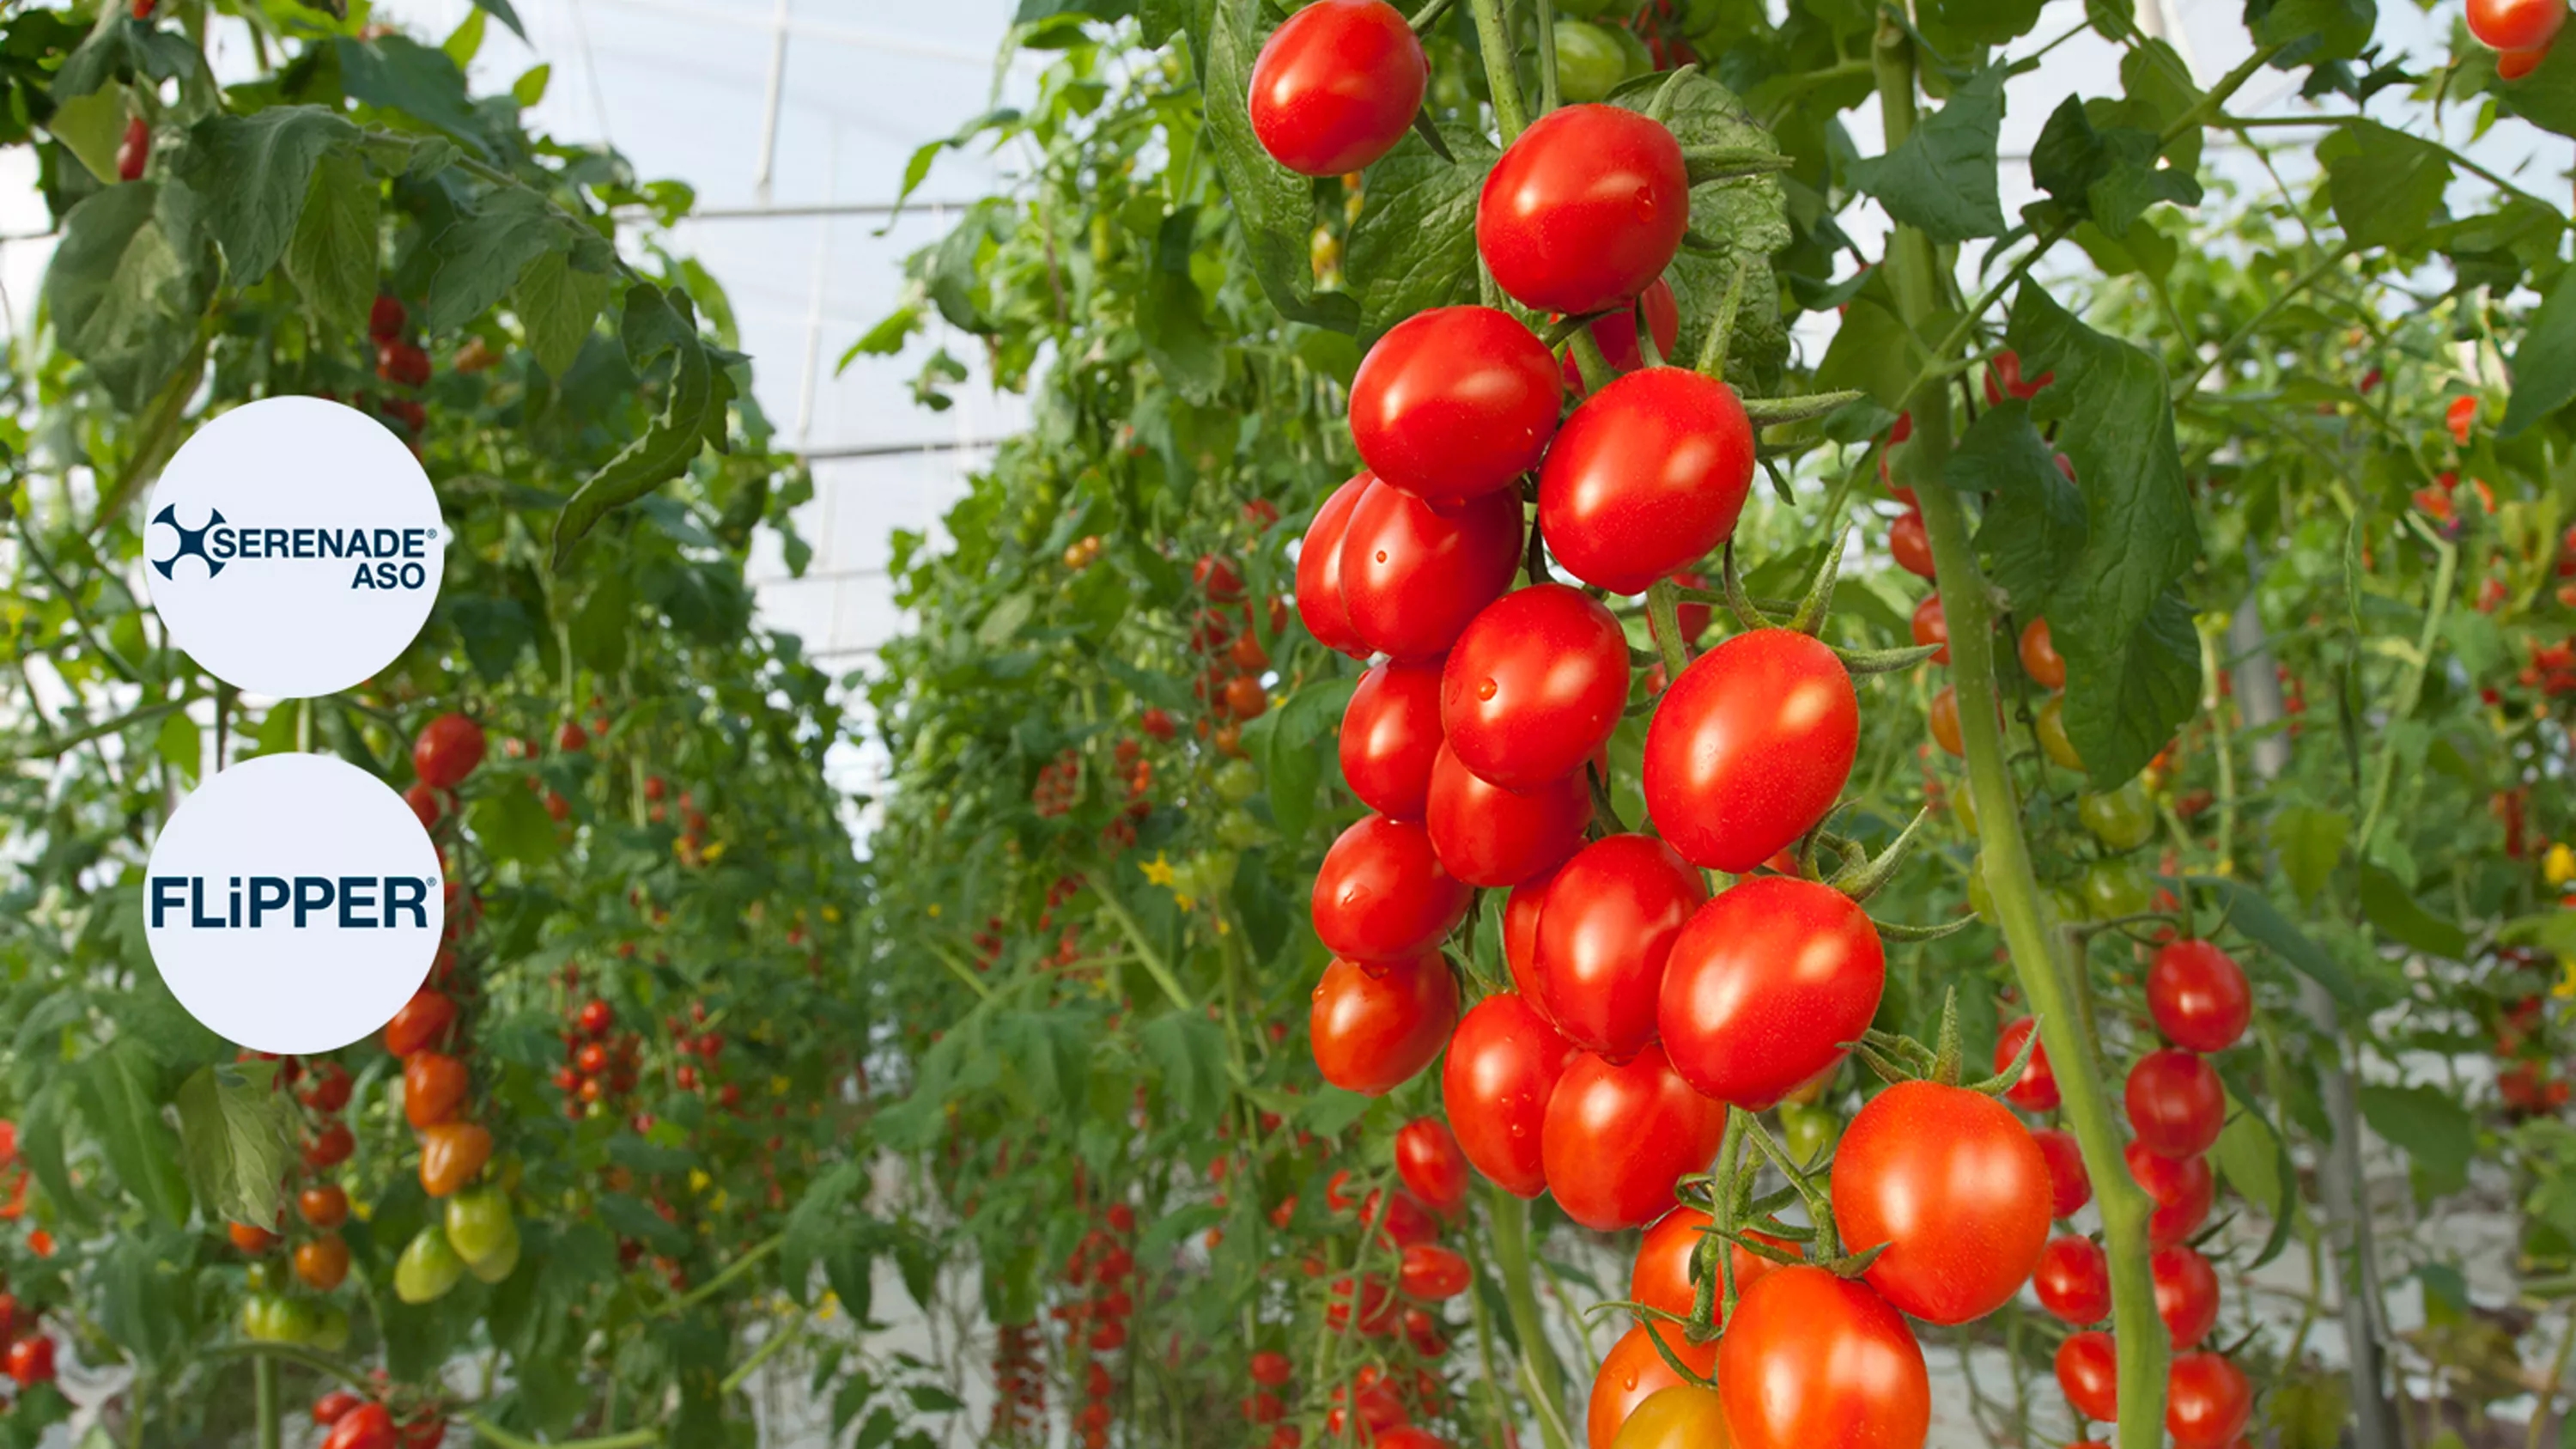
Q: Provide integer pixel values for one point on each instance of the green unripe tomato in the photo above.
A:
(2122, 819)
(479, 1224)
(502, 1260)
(2051, 724)
(1238, 829)
(266, 1318)
(2114, 888)
(330, 1327)
(1641, 61)
(1589, 62)
(260, 1277)
(1237, 781)
(1808, 1132)
(428, 1268)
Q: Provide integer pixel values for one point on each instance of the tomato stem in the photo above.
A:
(1969, 603)
(1663, 618)
(1591, 362)
(263, 1378)
(1547, 89)
(1509, 1217)
(1494, 38)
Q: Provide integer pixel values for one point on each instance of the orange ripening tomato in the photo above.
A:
(433, 1088)
(450, 1154)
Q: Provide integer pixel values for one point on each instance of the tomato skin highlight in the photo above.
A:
(2183, 1190)
(1950, 1180)
(1455, 402)
(2198, 996)
(448, 749)
(1660, 1278)
(1764, 986)
(417, 1025)
(2073, 1280)
(2036, 1091)
(1336, 86)
(1320, 604)
(2176, 1103)
(433, 1088)
(1750, 748)
(1502, 1069)
(2516, 24)
(1910, 544)
(1931, 625)
(2186, 1294)
(1631, 1372)
(1413, 577)
(2039, 657)
(2070, 1185)
(1486, 835)
(1433, 1168)
(1431, 1272)
(1390, 736)
(1373, 1029)
(1612, 915)
(2207, 1401)
(1645, 478)
(1382, 895)
(1811, 1359)
(1584, 210)
(1618, 1136)
(2088, 1372)
(1534, 686)
(1520, 938)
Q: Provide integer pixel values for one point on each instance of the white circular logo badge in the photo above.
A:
(293, 903)
(294, 547)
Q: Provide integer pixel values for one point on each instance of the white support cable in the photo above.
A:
(808, 385)
(771, 102)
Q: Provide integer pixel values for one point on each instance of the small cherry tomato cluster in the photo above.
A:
(2519, 31)
(355, 1422)
(26, 1350)
(1019, 1383)
(1103, 1264)
(598, 1074)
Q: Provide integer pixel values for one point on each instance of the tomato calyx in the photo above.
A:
(1903, 1059)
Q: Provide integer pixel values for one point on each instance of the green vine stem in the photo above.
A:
(263, 1378)
(1510, 1219)
(1494, 38)
(1968, 601)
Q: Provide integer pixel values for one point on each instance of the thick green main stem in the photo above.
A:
(1510, 1218)
(1968, 602)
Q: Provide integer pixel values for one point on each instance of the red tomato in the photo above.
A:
(1765, 986)
(2003, 375)
(1617, 333)
(135, 150)
(386, 318)
(1320, 605)
(1645, 477)
(332, 1407)
(424, 802)
(1611, 918)
(2198, 996)
(2207, 1401)
(2181, 1187)
(2462, 415)
(2088, 1370)
(1811, 1359)
(2073, 1280)
(1662, 1275)
(1428, 1159)
(2039, 657)
(418, 1024)
(1950, 1180)
(433, 1088)
(2186, 1294)
(1390, 736)
(1520, 938)
(1750, 747)
(2513, 65)
(1618, 1137)
(1534, 686)
(1271, 1368)
(1486, 835)
(324, 1206)
(2037, 1089)
(1455, 402)
(1431, 1272)
(2176, 1103)
(1630, 1372)
(1931, 626)
(369, 1426)
(250, 1238)
(1336, 86)
(1373, 1028)
(1584, 210)
(1909, 544)
(1412, 577)
(448, 749)
(30, 1361)
(1503, 1064)
(1401, 1436)
(1381, 894)
(2070, 1185)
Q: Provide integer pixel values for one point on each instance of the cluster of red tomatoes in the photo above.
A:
(2519, 31)
(2198, 1000)
(356, 1422)
(401, 362)
(599, 1066)
(320, 1256)
(1104, 1267)
(1230, 652)
(26, 1350)
(1019, 1383)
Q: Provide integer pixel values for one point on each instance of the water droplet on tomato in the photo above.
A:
(1485, 689)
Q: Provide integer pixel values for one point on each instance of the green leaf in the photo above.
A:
(2110, 174)
(2547, 96)
(1171, 318)
(179, 744)
(255, 173)
(126, 287)
(513, 825)
(1872, 350)
(2435, 1131)
(530, 87)
(2311, 30)
(1274, 207)
(698, 398)
(2256, 1163)
(92, 126)
(2132, 655)
(1747, 219)
(237, 1140)
(120, 47)
(116, 1086)
(1980, 22)
(502, 11)
(482, 255)
(2544, 361)
(2252, 915)
(1414, 245)
(1292, 763)
(558, 305)
(333, 256)
(1189, 1052)
(810, 1225)
(2310, 842)
(2386, 186)
(2401, 918)
(1941, 179)
(465, 41)
(1050, 1052)
(2033, 530)
(628, 1217)
(402, 74)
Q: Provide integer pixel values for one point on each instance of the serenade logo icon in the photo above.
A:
(293, 903)
(295, 547)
